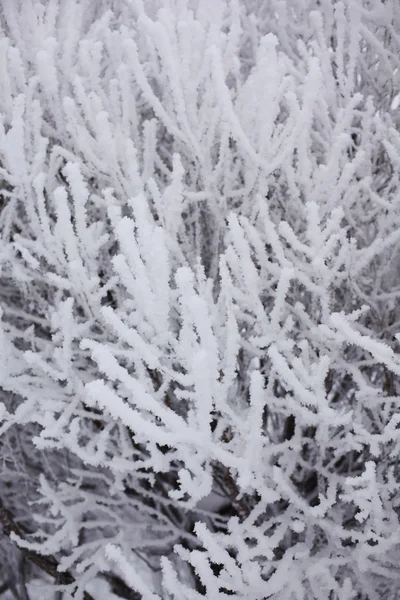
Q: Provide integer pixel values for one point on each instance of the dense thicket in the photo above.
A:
(200, 283)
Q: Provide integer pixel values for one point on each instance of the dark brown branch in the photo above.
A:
(119, 587)
(4, 587)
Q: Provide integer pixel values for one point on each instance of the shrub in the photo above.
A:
(200, 235)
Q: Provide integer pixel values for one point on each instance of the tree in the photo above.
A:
(200, 283)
